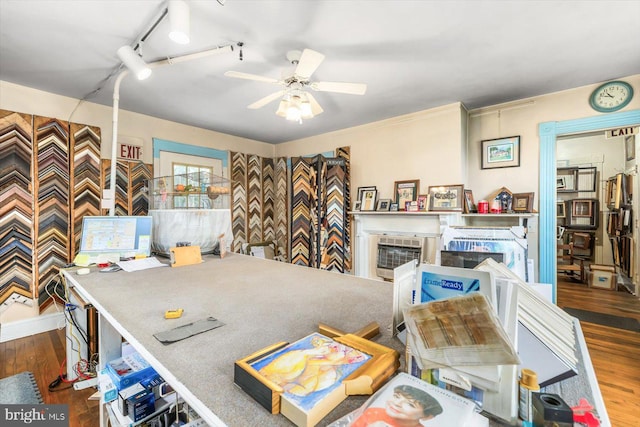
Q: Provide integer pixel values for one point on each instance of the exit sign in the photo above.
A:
(129, 152)
(613, 133)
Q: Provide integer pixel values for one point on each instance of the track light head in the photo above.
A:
(179, 21)
(134, 62)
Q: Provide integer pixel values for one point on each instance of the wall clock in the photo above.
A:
(611, 96)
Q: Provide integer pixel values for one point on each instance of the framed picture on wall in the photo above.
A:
(630, 147)
(501, 152)
(560, 209)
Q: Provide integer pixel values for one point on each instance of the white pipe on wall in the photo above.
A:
(114, 142)
(116, 100)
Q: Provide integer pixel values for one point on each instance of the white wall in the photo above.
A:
(139, 126)
(427, 145)
(522, 118)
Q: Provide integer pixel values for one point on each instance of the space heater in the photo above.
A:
(394, 251)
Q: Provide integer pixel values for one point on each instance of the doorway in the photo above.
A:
(585, 162)
(548, 132)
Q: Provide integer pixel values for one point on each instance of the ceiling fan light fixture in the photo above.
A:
(305, 110)
(293, 113)
(134, 62)
(179, 21)
(282, 108)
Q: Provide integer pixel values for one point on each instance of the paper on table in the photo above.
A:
(140, 264)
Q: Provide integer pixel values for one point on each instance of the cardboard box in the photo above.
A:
(106, 386)
(128, 370)
(125, 394)
(603, 277)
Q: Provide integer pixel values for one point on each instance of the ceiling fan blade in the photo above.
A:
(310, 60)
(315, 107)
(267, 99)
(247, 76)
(340, 87)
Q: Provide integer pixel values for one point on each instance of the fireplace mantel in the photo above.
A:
(369, 225)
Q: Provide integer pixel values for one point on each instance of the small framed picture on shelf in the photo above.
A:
(423, 200)
(383, 205)
(361, 191)
(446, 198)
(356, 205)
(406, 191)
(368, 201)
(560, 209)
(501, 152)
(393, 207)
(469, 203)
(411, 206)
(522, 202)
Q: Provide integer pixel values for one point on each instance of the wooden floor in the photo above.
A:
(614, 353)
(43, 355)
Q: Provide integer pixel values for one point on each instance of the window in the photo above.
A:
(194, 179)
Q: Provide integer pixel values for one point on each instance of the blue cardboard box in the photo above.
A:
(128, 370)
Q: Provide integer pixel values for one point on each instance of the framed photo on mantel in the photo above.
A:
(406, 191)
(446, 198)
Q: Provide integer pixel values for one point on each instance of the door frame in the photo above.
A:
(548, 133)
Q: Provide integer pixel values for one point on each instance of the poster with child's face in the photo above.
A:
(407, 401)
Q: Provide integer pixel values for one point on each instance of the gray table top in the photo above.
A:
(261, 302)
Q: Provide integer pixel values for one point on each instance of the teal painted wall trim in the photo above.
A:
(192, 150)
(548, 133)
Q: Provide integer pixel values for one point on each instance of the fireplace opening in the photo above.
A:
(394, 251)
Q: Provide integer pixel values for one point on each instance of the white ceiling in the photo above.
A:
(413, 55)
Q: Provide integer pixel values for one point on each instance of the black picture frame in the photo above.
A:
(361, 190)
(500, 152)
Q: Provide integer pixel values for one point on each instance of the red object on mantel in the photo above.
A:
(496, 207)
(483, 207)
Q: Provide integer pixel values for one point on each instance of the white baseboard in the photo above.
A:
(27, 327)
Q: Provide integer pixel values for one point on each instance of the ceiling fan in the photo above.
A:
(295, 102)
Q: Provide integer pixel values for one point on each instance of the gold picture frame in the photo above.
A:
(522, 202)
(582, 208)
